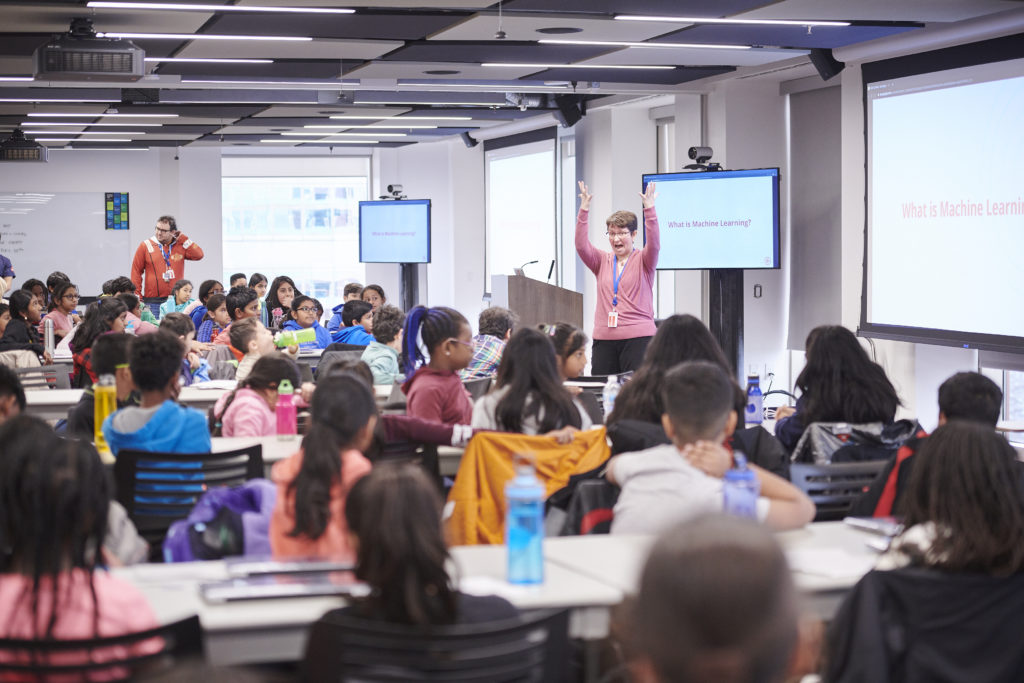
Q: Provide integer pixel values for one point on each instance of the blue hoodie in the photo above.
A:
(356, 334)
(336, 323)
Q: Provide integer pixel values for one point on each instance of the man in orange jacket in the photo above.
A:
(162, 257)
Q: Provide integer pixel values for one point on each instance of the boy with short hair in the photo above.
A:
(109, 357)
(357, 317)
(158, 423)
(494, 328)
(352, 292)
(238, 280)
(382, 353)
(250, 338)
(678, 481)
(242, 302)
(12, 394)
(967, 396)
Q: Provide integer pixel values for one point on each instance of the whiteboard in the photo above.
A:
(46, 231)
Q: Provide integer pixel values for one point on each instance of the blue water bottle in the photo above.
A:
(755, 400)
(524, 525)
(741, 489)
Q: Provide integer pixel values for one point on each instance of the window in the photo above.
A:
(1013, 391)
(303, 227)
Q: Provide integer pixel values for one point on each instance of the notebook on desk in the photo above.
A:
(240, 567)
(272, 586)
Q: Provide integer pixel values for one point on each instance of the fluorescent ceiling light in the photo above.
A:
(84, 132)
(77, 140)
(573, 66)
(44, 99)
(623, 43)
(106, 116)
(197, 36)
(86, 124)
(506, 86)
(321, 142)
(209, 60)
(375, 125)
(99, 149)
(214, 8)
(368, 135)
(325, 85)
(434, 103)
(395, 117)
(708, 20)
(8, 79)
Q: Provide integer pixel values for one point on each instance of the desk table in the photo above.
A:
(53, 404)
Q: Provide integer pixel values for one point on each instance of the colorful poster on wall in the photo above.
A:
(116, 210)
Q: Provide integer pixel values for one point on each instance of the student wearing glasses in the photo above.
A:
(303, 315)
(624, 319)
(63, 315)
(160, 260)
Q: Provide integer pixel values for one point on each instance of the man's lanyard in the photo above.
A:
(616, 276)
(166, 254)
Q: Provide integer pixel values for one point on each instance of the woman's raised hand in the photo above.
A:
(648, 195)
(585, 197)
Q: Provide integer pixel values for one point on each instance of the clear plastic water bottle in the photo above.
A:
(609, 393)
(48, 336)
(741, 489)
(755, 400)
(104, 404)
(524, 526)
(286, 411)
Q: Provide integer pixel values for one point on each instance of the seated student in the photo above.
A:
(249, 409)
(303, 316)
(37, 288)
(944, 602)
(12, 394)
(134, 322)
(279, 299)
(570, 345)
(179, 300)
(528, 396)
(373, 295)
(101, 317)
(124, 285)
(52, 280)
(308, 518)
(193, 368)
(716, 602)
(215, 320)
(357, 318)
(5, 317)
(381, 355)
(670, 483)
(495, 326)
(109, 357)
(21, 333)
(249, 341)
(207, 289)
(242, 303)
(350, 293)
(62, 311)
(157, 423)
(238, 280)
(967, 396)
(258, 282)
(433, 389)
(839, 383)
(394, 515)
(55, 502)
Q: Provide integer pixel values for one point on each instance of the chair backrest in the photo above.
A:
(45, 377)
(478, 387)
(332, 358)
(532, 647)
(223, 369)
(839, 442)
(125, 656)
(833, 488)
(158, 488)
(220, 352)
(592, 406)
(339, 346)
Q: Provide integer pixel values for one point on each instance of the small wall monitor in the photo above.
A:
(718, 219)
(394, 231)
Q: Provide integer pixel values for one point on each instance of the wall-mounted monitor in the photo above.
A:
(718, 219)
(394, 231)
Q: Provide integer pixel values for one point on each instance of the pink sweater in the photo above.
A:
(248, 415)
(636, 286)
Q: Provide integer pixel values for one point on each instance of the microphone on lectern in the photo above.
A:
(528, 263)
(551, 269)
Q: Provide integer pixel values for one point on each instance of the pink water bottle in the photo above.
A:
(286, 412)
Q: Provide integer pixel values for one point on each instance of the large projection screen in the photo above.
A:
(944, 244)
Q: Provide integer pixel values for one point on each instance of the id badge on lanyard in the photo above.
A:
(613, 315)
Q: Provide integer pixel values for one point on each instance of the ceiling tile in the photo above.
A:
(784, 36)
(677, 8)
(417, 70)
(282, 69)
(312, 111)
(317, 49)
(420, 4)
(56, 18)
(493, 51)
(881, 10)
(481, 27)
(695, 56)
(396, 26)
(659, 77)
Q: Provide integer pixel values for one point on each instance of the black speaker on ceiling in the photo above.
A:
(468, 140)
(827, 65)
(569, 110)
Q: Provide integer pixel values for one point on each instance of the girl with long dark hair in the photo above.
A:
(528, 395)
(279, 300)
(249, 409)
(308, 517)
(21, 333)
(570, 344)
(106, 315)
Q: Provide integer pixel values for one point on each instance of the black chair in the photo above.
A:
(533, 647)
(154, 501)
(45, 377)
(592, 406)
(478, 387)
(36, 660)
(833, 488)
(339, 346)
(331, 358)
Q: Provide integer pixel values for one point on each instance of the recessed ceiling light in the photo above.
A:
(434, 104)
(213, 8)
(559, 30)
(623, 43)
(710, 20)
(576, 66)
(85, 132)
(76, 140)
(375, 125)
(101, 149)
(105, 116)
(209, 60)
(84, 124)
(197, 36)
(393, 117)
(442, 72)
(12, 79)
(488, 87)
(302, 85)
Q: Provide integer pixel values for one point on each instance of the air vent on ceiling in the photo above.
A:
(80, 56)
(18, 148)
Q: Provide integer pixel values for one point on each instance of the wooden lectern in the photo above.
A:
(536, 302)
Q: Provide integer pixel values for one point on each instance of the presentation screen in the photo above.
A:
(945, 200)
(718, 219)
(394, 231)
